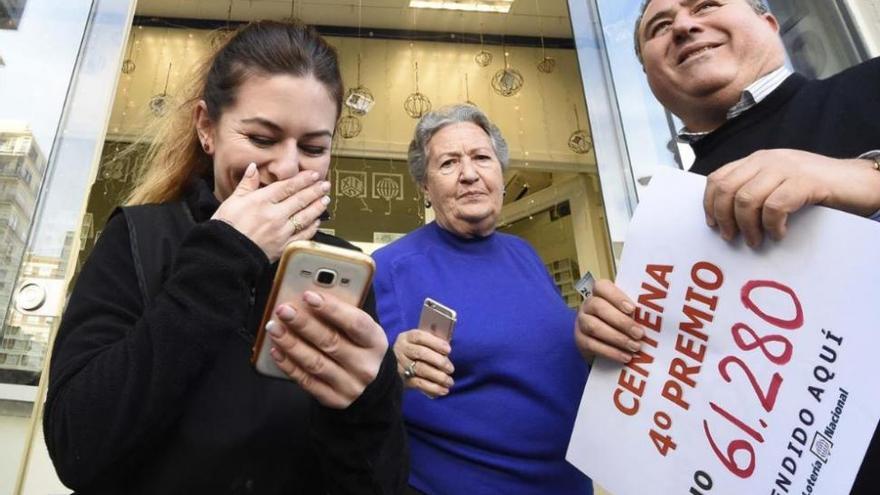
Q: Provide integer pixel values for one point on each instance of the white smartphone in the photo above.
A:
(308, 265)
(437, 319)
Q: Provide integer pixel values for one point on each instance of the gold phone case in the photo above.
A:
(304, 265)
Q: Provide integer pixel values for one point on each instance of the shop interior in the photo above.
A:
(514, 60)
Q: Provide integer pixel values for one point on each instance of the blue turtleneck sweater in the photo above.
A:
(506, 423)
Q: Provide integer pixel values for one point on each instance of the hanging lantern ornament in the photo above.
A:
(482, 58)
(547, 64)
(222, 35)
(417, 104)
(128, 65)
(507, 81)
(349, 126)
(579, 141)
(159, 102)
(359, 99)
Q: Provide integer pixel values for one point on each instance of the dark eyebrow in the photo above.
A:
(277, 129)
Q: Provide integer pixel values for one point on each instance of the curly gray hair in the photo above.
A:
(430, 123)
(759, 6)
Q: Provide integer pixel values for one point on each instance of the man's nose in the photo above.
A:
(684, 26)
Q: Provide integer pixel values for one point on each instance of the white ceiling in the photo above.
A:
(526, 18)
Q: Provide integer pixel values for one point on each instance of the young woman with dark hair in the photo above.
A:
(151, 389)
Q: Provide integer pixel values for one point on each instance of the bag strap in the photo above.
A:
(155, 232)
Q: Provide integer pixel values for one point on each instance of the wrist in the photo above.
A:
(858, 192)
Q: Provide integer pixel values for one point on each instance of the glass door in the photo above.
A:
(39, 45)
(58, 63)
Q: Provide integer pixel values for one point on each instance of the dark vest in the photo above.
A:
(835, 117)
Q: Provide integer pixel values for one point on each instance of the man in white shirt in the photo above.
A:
(769, 141)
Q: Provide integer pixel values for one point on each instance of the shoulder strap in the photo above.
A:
(155, 233)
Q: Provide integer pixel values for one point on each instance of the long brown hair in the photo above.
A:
(261, 48)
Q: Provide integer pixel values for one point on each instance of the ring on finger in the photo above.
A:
(295, 224)
(410, 370)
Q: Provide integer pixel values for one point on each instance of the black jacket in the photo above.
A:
(159, 396)
(836, 117)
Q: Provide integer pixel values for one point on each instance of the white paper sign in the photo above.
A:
(759, 368)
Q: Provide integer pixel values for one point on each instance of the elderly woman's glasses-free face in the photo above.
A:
(452, 166)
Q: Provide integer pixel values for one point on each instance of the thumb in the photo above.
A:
(250, 182)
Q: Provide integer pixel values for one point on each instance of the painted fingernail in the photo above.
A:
(325, 186)
(627, 307)
(637, 332)
(274, 329)
(286, 312)
(325, 200)
(315, 176)
(633, 346)
(312, 298)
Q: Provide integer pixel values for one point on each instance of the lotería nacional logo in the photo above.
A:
(821, 446)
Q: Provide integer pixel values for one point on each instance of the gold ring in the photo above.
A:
(296, 225)
(410, 371)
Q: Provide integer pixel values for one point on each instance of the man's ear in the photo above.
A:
(204, 126)
(771, 21)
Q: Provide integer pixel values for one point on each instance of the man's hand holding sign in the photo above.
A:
(752, 369)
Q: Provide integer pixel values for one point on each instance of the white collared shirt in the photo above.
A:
(751, 96)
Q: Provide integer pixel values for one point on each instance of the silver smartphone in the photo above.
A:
(307, 265)
(437, 319)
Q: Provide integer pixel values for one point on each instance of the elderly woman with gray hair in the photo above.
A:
(499, 400)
